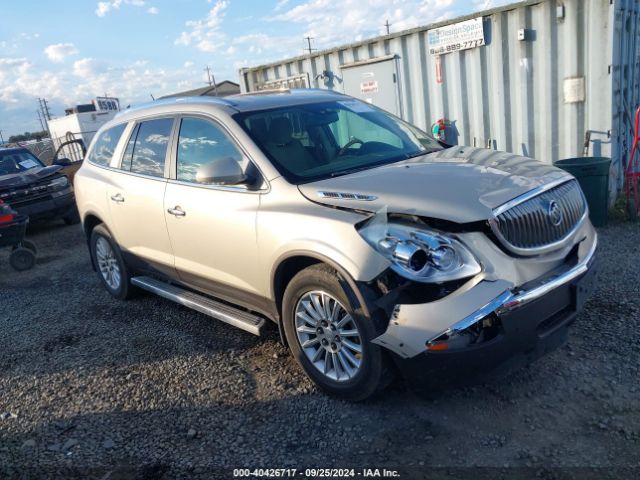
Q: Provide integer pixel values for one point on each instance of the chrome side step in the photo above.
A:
(220, 311)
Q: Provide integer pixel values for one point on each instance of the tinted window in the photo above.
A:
(128, 152)
(201, 142)
(149, 150)
(313, 141)
(16, 161)
(105, 145)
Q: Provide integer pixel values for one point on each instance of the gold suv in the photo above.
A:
(373, 247)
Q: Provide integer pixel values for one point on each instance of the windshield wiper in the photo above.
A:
(419, 154)
(347, 171)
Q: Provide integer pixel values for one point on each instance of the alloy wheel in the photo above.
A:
(108, 263)
(328, 335)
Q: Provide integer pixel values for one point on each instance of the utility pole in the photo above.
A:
(41, 122)
(387, 24)
(44, 106)
(309, 49)
(45, 113)
(1, 138)
(212, 80)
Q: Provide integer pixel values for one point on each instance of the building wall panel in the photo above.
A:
(510, 94)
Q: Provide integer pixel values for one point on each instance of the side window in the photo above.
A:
(128, 152)
(105, 146)
(147, 148)
(201, 142)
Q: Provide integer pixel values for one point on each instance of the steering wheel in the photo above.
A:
(351, 142)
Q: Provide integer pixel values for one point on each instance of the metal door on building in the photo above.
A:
(374, 81)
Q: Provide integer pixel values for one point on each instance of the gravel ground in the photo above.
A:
(97, 388)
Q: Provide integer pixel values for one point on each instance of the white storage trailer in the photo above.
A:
(542, 78)
(78, 126)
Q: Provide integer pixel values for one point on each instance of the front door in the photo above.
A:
(212, 228)
(136, 196)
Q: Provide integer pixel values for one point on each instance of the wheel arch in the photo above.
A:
(89, 222)
(289, 265)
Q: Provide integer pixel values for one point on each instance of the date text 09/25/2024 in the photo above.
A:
(315, 473)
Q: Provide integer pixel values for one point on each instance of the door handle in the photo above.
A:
(176, 211)
(117, 198)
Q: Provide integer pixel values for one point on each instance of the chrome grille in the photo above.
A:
(541, 222)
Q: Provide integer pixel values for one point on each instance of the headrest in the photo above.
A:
(280, 131)
(258, 127)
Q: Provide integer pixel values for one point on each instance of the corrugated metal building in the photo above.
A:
(547, 75)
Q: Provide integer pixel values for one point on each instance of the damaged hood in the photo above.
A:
(459, 184)
(27, 177)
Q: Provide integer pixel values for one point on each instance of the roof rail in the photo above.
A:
(267, 91)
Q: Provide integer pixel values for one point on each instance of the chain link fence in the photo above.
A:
(46, 148)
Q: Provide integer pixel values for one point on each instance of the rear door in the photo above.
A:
(212, 228)
(136, 194)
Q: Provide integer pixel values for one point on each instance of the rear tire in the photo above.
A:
(22, 259)
(349, 367)
(111, 268)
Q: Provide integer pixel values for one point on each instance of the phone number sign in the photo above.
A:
(458, 36)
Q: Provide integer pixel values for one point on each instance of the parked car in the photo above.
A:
(33, 189)
(373, 248)
(69, 166)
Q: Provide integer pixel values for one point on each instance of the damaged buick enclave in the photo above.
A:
(373, 247)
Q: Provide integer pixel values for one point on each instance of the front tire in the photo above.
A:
(109, 263)
(329, 338)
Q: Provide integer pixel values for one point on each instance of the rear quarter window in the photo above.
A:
(105, 145)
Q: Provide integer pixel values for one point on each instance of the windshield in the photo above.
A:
(320, 140)
(17, 162)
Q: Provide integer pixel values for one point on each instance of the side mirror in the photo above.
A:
(63, 162)
(223, 171)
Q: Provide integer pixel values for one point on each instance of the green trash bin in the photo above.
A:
(593, 175)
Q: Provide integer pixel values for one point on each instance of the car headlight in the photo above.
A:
(58, 183)
(420, 254)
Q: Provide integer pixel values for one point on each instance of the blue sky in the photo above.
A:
(70, 51)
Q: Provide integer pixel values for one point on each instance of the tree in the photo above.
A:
(26, 136)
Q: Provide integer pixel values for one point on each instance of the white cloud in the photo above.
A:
(487, 4)
(59, 51)
(153, 10)
(280, 5)
(87, 67)
(105, 7)
(205, 33)
(188, 64)
(331, 23)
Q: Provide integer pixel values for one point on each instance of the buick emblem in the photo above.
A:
(554, 212)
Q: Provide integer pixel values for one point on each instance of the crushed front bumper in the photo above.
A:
(533, 321)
